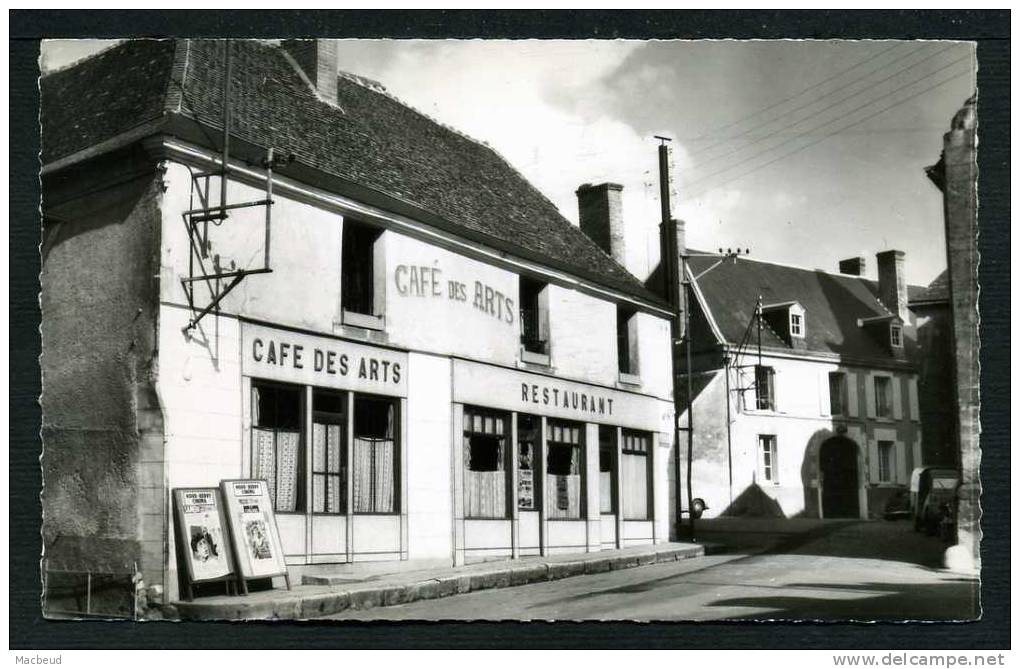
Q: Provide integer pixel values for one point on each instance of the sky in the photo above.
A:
(805, 152)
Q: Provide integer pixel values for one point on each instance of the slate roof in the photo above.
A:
(369, 139)
(832, 304)
(936, 291)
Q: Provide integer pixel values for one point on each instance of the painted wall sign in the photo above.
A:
(253, 528)
(428, 282)
(321, 361)
(202, 535)
(513, 390)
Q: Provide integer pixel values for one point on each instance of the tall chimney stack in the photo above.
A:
(892, 284)
(600, 210)
(852, 266)
(317, 60)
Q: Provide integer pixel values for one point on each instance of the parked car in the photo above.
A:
(932, 496)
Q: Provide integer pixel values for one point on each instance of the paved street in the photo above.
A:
(860, 571)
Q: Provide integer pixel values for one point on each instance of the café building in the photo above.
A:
(425, 361)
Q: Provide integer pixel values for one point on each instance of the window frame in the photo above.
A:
(796, 324)
(646, 453)
(844, 390)
(889, 447)
(609, 446)
(301, 505)
(627, 362)
(887, 395)
(370, 237)
(398, 476)
(768, 472)
(344, 475)
(534, 335)
(896, 335)
(581, 466)
(770, 397)
(509, 495)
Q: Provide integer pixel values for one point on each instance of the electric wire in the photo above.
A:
(808, 117)
(698, 193)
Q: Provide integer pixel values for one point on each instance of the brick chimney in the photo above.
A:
(600, 210)
(852, 266)
(892, 284)
(317, 60)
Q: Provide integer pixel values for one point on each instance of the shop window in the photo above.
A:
(764, 388)
(837, 394)
(626, 341)
(635, 479)
(528, 434)
(486, 483)
(357, 269)
(534, 317)
(883, 397)
(329, 452)
(374, 483)
(607, 469)
(564, 470)
(276, 448)
(767, 461)
(886, 461)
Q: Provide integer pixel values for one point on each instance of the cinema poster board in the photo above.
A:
(253, 529)
(202, 537)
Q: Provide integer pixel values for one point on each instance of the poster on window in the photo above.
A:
(249, 510)
(201, 534)
(526, 489)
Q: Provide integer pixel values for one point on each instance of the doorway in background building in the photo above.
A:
(837, 461)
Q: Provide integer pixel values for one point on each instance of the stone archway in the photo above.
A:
(839, 478)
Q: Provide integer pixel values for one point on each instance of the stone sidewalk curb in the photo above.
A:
(322, 600)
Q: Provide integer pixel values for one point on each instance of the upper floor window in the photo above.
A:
(767, 458)
(896, 335)
(764, 388)
(358, 270)
(838, 394)
(886, 461)
(534, 316)
(796, 324)
(883, 397)
(626, 340)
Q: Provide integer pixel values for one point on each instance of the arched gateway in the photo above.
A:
(837, 460)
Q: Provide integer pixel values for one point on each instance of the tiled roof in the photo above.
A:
(369, 139)
(936, 291)
(832, 304)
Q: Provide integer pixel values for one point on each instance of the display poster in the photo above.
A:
(253, 528)
(201, 532)
(525, 489)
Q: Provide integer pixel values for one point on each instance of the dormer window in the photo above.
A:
(796, 324)
(896, 335)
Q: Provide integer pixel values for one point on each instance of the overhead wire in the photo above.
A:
(832, 105)
(789, 99)
(827, 136)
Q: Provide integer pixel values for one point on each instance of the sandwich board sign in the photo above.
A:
(202, 537)
(256, 537)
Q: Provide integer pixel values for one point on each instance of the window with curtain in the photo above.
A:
(607, 469)
(486, 484)
(276, 443)
(374, 480)
(329, 452)
(528, 433)
(634, 475)
(764, 388)
(564, 470)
